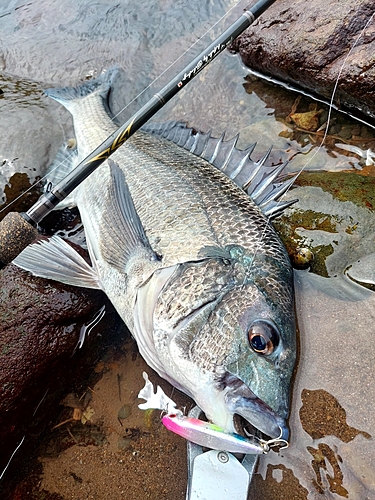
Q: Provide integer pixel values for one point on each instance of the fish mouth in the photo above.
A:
(251, 415)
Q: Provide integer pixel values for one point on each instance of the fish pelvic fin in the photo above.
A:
(55, 259)
(260, 182)
(96, 86)
(122, 229)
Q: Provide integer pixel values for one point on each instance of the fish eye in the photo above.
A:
(263, 337)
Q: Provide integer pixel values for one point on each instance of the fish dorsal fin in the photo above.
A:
(122, 228)
(259, 181)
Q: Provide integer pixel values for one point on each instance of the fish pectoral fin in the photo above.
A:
(55, 259)
(122, 229)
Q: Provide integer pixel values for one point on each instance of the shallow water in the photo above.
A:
(43, 45)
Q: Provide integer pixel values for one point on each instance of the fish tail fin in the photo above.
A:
(68, 157)
(100, 86)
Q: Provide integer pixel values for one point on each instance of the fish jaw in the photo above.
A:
(195, 335)
(222, 396)
(240, 400)
(221, 405)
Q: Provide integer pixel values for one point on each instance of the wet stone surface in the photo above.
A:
(333, 219)
(308, 44)
(113, 450)
(321, 415)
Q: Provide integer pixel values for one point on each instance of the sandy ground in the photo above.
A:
(101, 446)
(115, 450)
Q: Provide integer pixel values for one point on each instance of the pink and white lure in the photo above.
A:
(195, 430)
(212, 436)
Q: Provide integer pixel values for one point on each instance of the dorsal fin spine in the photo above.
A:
(246, 158)
(217, 148)
(232, 145)
(260, 182)
(268, 179)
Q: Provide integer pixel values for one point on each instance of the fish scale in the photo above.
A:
(194, 285)
(156, 187)
(159, 174)
(231, 214)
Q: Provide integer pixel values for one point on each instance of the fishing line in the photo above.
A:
(39, 181)
(41, 401)
(22, 440)
(310, 95)
(171, 65)
(331, 106)
(129, 103)
(11, 457)
(31, 187)
(180, 57)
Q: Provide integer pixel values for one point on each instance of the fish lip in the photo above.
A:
(241, 400)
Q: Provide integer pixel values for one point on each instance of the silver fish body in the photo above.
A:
(192, 265)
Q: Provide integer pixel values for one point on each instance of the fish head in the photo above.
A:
(235, 355)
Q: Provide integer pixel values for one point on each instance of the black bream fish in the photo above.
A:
(189, 260)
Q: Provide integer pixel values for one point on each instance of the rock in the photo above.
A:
(311, 44)
(334, 220)
(39, 328)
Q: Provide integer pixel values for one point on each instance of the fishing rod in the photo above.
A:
(18, 230)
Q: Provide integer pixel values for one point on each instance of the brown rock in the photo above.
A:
(39, 328)
(311, 44)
